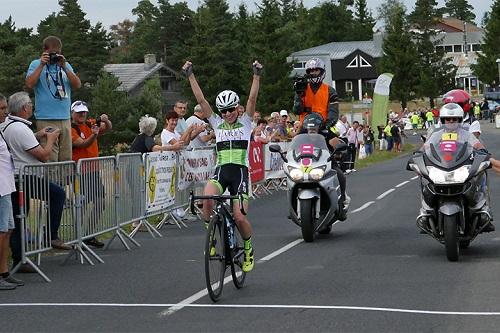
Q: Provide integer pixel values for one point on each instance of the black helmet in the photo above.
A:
(313, 121)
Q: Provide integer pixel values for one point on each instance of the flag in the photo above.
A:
(381, 100)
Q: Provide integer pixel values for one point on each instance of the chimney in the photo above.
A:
(149, 61)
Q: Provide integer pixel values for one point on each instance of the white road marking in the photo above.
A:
(413, 178)
(363, 207)
(202, 293)
(403, 183)
(385, 193)
(258, 306)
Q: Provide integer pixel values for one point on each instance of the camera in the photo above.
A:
(54, 58)
(98, 121)
(300, 83)
(49, 129)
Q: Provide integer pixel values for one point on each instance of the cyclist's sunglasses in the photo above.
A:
(224, 111)
(451, 119)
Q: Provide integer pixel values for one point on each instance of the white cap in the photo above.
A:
(283, 113)
(274, 114)
(79, 106)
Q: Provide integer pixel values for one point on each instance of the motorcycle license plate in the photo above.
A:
(449, 137)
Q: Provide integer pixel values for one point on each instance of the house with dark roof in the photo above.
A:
(350, 66)
(133, 76)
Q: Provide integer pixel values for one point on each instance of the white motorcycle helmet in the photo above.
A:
(227, 99)
(451, 110)
(316, 63)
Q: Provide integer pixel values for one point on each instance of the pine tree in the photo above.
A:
(486, 68)
(120, 34)
(400, 54)
(363, 22)
(460, 9)
(145, 36)
(436, 73)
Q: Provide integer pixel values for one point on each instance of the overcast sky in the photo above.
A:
(28, 13)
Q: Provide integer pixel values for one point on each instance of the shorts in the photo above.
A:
(233, 177)
(6, 215)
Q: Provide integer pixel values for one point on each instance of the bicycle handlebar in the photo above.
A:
(219, 198)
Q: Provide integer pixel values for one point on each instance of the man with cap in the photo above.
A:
(84, 133)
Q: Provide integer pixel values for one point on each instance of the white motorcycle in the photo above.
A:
(314, 193)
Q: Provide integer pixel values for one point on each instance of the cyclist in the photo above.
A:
(232, 135)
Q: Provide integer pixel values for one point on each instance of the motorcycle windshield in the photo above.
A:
(447, 150)
(308, 146)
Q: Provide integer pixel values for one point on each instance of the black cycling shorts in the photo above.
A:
(233, 177)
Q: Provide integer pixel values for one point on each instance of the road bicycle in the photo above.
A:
(224, 245)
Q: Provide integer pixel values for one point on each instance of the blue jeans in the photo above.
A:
(369, 148)
(56, 205)
(390, 143)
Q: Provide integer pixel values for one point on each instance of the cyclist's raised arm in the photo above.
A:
(254, 90)
(187, 68)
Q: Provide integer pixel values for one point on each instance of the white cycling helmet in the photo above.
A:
(227, 99)
(316, 63)
(451, 110)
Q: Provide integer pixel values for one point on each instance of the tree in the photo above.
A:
(145, 37)
(486, 68)
(460, 9)
(120, 34)
(331, 22)
(363, 22)
(436, 73)
(400, 54)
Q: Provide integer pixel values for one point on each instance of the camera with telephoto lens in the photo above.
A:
(98, 121)
(300, 83)
(54, 58)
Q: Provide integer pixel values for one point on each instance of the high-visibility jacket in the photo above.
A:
(317, 102)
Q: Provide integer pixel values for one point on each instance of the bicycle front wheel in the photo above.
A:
(215, 261)
(238, 256)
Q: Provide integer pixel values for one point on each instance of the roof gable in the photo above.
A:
(131, 75)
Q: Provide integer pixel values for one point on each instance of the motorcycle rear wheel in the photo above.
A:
(451, 243)
(307, 220)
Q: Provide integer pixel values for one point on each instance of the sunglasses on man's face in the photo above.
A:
(451, 119)
(224, 111)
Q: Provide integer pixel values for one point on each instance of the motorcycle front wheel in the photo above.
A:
(450, 224)
(307, 219)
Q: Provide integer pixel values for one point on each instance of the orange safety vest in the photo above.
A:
(318, 102)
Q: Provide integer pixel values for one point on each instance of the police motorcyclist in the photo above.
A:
(315, 96)
(451, 116)
(312, 124)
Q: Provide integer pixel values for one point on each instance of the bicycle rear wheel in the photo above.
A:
(215, 261)
(238, 255)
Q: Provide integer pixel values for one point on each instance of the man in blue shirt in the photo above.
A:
(53, 79)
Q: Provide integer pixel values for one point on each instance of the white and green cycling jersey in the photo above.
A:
(232, 140)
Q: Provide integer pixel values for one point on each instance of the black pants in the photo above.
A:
(342, 181)
(56, 202)
(352, 155)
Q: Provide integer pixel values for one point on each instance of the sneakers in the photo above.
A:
(59, 244)
(180, 213)
(248, 262)
(5, 285)
(94, 242)
(13, 280)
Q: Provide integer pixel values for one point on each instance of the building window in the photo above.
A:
(476, 47)
(298, 65)
(164, 85)
(353, 63)
(448, 48)
(348, 86)
(363, 62)
(457, 48)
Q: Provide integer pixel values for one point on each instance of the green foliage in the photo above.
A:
(363, 22)
(460, 9)
(486, 67)
(400, 54)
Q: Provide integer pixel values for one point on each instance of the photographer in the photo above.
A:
(52, 79)
(203, 135)
(84, 134)
(312, 95)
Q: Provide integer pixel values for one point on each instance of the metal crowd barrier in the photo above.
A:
(103, 195)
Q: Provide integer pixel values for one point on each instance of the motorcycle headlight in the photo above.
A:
(296, 174)
(317, 174)
(456, 176)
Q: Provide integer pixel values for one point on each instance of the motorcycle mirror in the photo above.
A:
(275, 148)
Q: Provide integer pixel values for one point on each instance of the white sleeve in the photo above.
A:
(166, 137)
(214, 120)
(475, 127)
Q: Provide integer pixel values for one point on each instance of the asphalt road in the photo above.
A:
(373, 273)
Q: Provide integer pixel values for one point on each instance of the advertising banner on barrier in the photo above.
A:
(273, 164)
(160, 181)
(196, 166)
(256, 162)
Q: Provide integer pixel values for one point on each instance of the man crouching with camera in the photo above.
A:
(84, 134)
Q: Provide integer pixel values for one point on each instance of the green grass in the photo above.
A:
(380, 156)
